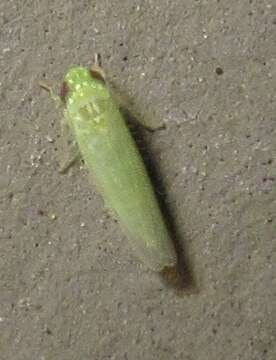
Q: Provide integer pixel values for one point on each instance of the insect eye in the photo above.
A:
(96, 74)
(64, 90)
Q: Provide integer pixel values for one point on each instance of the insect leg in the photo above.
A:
(70, 162)
(148, 127)
(132, 115)
(68, 146)
(55, 97)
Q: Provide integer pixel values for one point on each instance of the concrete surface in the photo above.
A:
(70, 288)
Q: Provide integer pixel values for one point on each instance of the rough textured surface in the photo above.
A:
(69, 286)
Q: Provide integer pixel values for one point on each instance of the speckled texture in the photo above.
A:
(70, 287)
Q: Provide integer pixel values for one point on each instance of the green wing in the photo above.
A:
(118, 170)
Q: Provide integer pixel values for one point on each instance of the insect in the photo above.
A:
(115, 164)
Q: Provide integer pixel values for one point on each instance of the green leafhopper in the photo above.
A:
(115, 164)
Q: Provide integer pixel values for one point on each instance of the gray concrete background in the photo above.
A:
(70, 288)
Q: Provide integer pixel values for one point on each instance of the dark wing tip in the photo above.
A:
(177, 279)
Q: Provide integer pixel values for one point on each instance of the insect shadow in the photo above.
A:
(180, 277)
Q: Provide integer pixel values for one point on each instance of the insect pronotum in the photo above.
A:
(115, 164)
